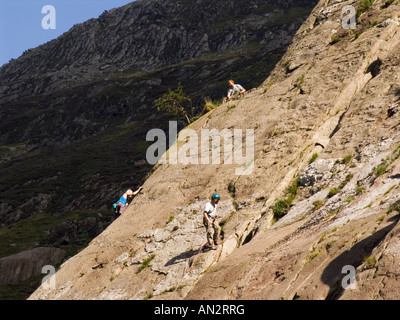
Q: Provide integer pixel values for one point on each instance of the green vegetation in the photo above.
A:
(345, 181)
(170, 218)
(359, 189)
(380, 219)
(318, 204)
(299, 82)
(172, 289)
(334, 39)
(20, 291)
(32, 231)
(313, 158)
(232, 189)
(69, 173)
(373, 23)
(364, 6)
(293, 188)
(329, 244)
(333, 192)
(148, 296)
(382, 167)
(311, 256)
(230, 107)
(210, 105)
(176, 103)
(282, 206)
(390, 189)
(235, 205)
(395, 206)
(346, 159)
(225, 220)
(291, 14)
(145, 263)
(369, 261)
(81, 162)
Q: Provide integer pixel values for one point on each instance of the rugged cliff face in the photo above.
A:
(113, 67)
(75, 111)
(322, 198)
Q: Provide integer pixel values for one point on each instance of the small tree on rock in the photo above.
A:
(175, 103)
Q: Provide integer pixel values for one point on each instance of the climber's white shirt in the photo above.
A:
(210, 209)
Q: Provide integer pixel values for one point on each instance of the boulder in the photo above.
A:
(29, 263)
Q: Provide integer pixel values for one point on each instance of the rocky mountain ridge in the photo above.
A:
(147, 35)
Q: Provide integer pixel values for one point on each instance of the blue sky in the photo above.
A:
(21, 21)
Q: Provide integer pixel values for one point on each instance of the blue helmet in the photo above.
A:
(216, 197)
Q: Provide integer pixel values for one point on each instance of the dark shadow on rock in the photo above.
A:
(332, 275)
(374, 68)
(186, 255)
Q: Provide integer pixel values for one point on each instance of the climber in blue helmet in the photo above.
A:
(209, 220)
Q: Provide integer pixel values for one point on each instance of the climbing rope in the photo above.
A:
(193, 259)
